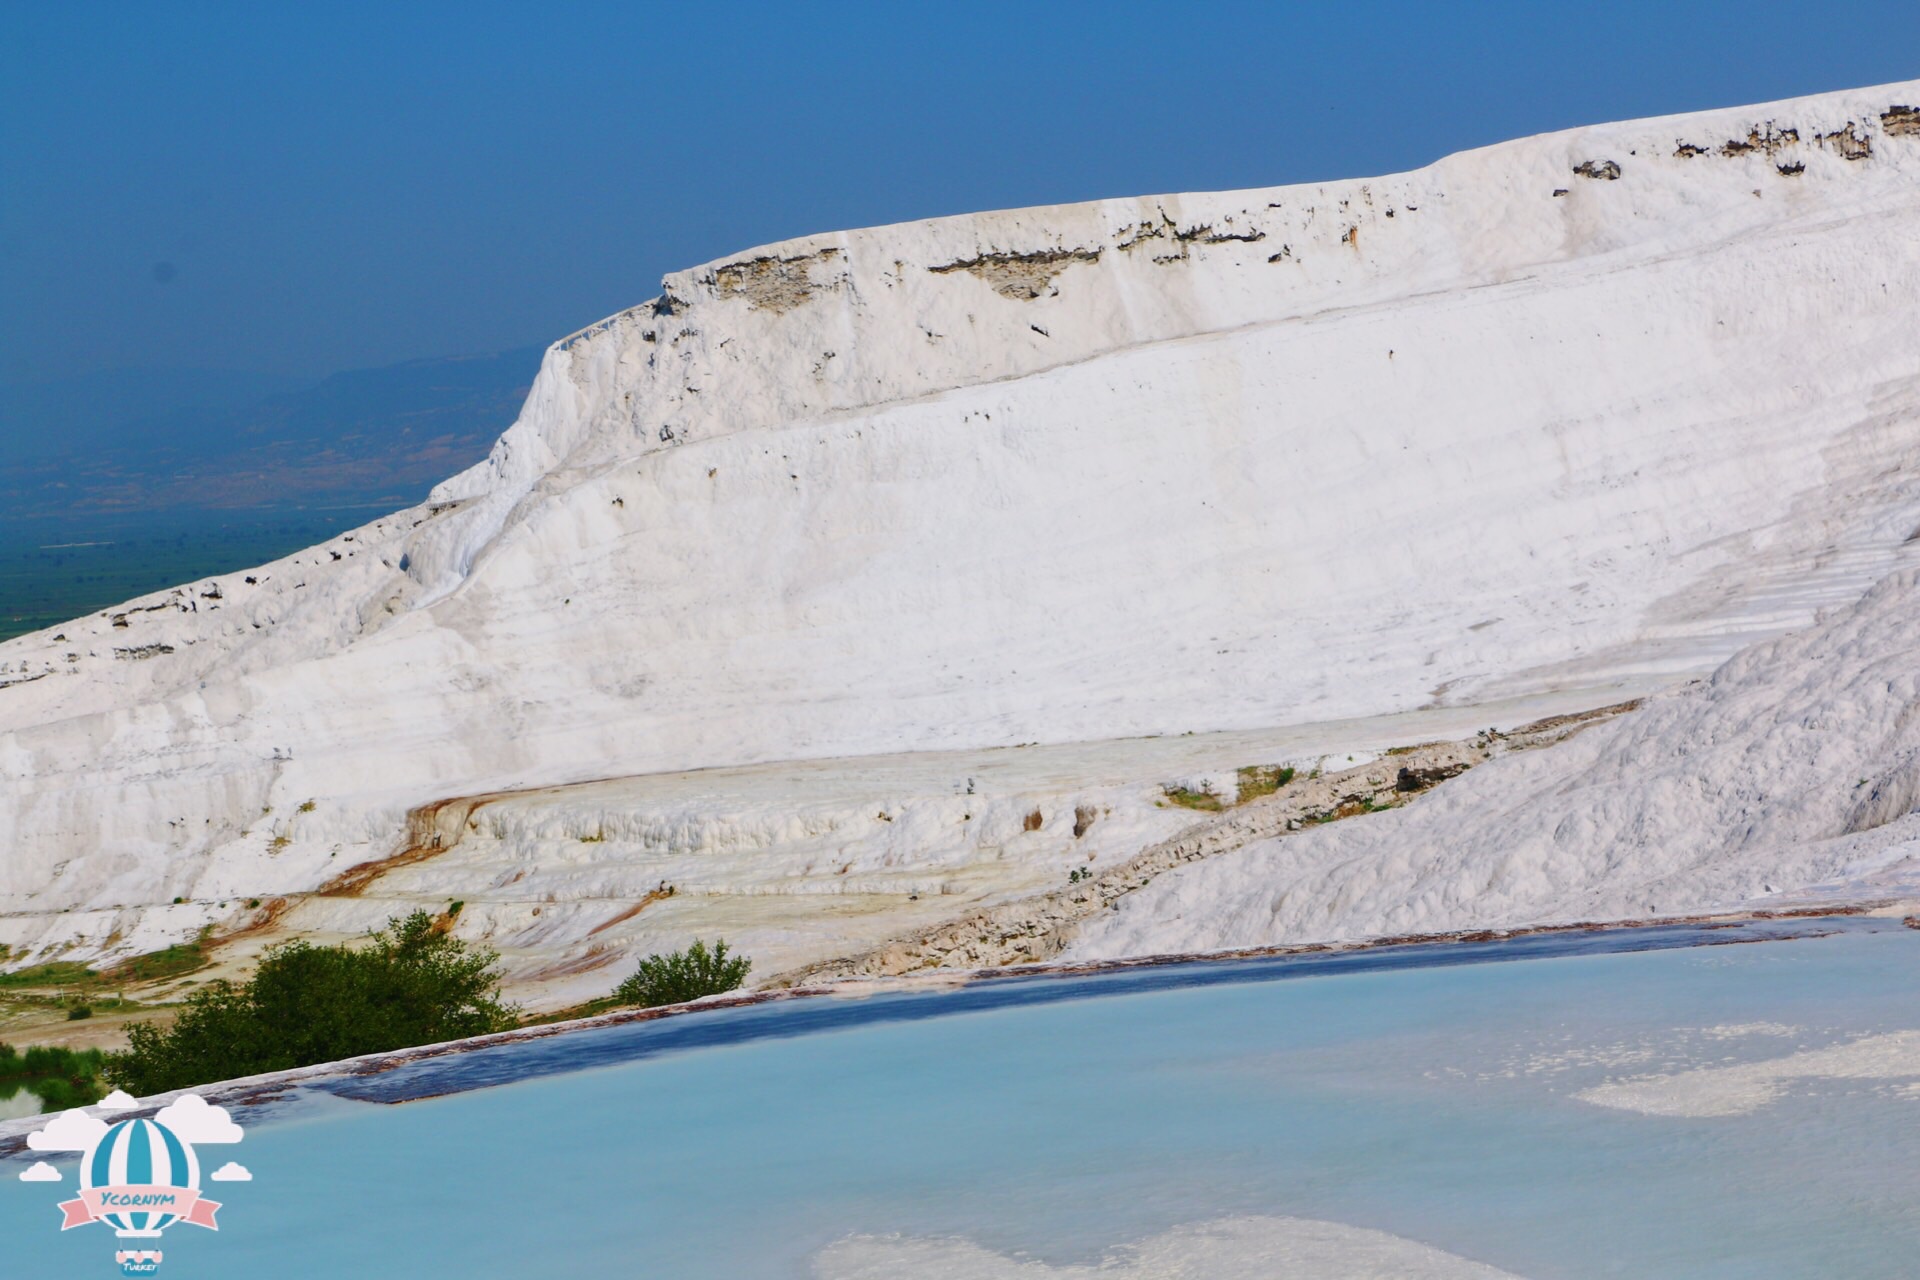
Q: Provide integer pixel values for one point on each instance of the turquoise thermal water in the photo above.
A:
(1435, 1103)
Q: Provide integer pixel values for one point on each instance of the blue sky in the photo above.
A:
(295, 189)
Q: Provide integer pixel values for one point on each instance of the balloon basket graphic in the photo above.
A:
(140, 1262)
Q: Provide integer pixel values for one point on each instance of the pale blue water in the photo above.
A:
(1061, 1119)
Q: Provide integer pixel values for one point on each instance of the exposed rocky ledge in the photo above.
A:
(1032, 930)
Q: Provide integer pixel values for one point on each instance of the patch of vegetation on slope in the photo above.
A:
(411, 983)
(61, 1078)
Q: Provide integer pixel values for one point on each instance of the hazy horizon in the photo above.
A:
(292, 193)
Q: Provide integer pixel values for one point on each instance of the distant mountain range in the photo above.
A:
(129, 441)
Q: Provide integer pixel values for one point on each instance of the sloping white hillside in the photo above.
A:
(1793, 773)
(1581, 411)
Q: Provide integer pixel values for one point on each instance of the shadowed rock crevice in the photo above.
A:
(1019, 276)
(1847, 143)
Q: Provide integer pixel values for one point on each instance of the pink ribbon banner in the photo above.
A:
(96, 1203)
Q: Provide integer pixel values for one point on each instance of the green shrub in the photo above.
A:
(79, 1011)
(1186, 798)
(683, 975)
(1257, 780)
(61, 1078)
(411, 984)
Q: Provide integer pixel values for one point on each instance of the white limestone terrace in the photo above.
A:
(1790, 778)
(798, 863)
(1559, 418)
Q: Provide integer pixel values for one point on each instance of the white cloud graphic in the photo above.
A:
(73, 1131)
(41, 1172)
(193, 1119)
(231, 1172)
(118, 1100)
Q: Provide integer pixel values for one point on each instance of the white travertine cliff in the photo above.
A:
(1558, 418)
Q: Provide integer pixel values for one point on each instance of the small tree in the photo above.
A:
(683, 975)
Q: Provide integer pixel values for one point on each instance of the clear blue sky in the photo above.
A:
(301, 188)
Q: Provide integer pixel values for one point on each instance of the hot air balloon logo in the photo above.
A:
(139, 1175)
(140, 1179)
